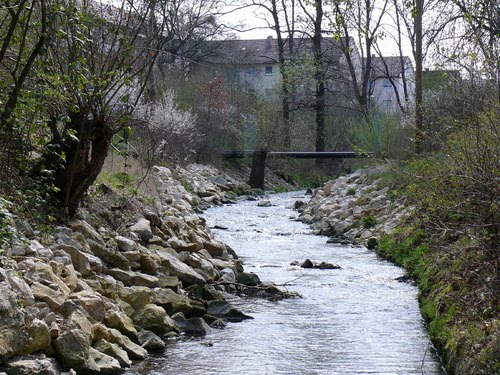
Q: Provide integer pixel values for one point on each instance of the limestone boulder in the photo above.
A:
(143, 229)
(106, 364)
(125, 244)
(12, 324)
(120, 321)
(86, 230)
(137, 296)
(155, 319)
(110, 256)
(80, 259)
(151, 341)
(177, 268)
(114, 351)
(223, 309)
(34, 365)
(22, 289)
(73, 350)
(53, 297)
(134, 351)
(92, 303)
(173, 303)
(38, 336)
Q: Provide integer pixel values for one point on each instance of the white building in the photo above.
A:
(392, 83)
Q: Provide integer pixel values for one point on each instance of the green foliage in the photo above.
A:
(456, 190)
(384, 134)
(351, 191)
(118, 180)
(369, 222)
(6, 223)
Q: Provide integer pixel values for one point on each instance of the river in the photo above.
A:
(354, 320)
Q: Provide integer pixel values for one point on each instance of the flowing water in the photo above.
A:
(355, 320)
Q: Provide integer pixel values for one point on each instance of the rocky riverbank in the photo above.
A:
(457, 292)
(122, 277)
(356, 208)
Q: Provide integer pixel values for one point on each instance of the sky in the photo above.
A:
(252, 19)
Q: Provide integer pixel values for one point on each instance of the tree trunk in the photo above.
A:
(285, 92)
(84, 160)
(319, 105)
(419, 122)
(258, 169)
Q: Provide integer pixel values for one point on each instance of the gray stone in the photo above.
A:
(112, 257)
(73, 348)
(12, 324)
(22, 289)
(32, 366)
(264, 203)
(179, 269)
(143, 229)
(114, 351)
(106, 364)
(196, 327)
(248, 279)
(38, 337)
(222, 309)
(86, 230)
(150, 341)
(133, 350)
(154, 318)
(125, 244)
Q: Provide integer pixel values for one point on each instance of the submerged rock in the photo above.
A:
(223, 309)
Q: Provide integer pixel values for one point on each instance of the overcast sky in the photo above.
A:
(252, 19)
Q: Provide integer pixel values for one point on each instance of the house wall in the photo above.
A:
(263, 78)
(384, 92)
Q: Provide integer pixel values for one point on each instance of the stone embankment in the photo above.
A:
(120, 279)
(356, 208)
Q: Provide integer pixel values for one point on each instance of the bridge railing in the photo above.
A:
(300, 154)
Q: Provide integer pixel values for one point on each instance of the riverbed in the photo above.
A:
(355, 320)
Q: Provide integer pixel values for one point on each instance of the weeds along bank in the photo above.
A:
(456, 271)
(122, 277)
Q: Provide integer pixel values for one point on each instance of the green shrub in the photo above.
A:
(382, 134)
(351, 191)
(369, 222)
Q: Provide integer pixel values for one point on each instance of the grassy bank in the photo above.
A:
(457, 297)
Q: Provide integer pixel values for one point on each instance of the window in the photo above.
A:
(269, 70)
(387, 83)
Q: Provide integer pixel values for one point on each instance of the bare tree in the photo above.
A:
(364, 20)
(97, 69)
(419, 119)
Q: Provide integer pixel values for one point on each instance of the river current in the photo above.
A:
(355, 320)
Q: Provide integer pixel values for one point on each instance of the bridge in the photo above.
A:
(259, 159)
(300, 154)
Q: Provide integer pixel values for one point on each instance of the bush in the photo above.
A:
(351, 191)
(385, 134)
(457, 190)
(369, 222)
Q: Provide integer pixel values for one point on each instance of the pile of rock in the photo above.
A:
(354, 209)
(114, 284)
(210, 185)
